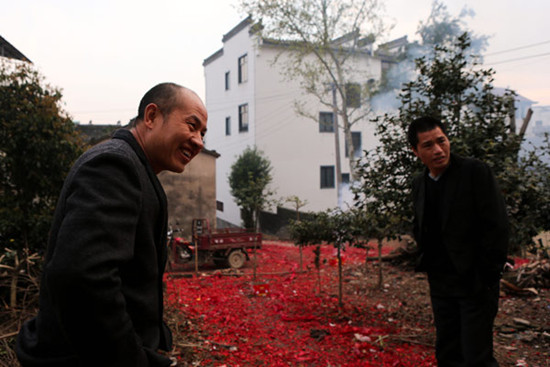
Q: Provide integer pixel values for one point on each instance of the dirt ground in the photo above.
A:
(522, 326)
(219, 318)
(402, 306)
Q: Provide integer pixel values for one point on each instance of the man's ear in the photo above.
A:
(152, 111)
(414, 151)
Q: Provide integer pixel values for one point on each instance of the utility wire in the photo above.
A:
(518, 59)
(518, 48)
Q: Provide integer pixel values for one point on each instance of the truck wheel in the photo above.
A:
(236, 259)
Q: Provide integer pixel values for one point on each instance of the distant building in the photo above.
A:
(540, 122)
(538, 131)
(521, 103)
(251, 104)
(9, 51)
(192, 194)
(94, 134)
(390, 53)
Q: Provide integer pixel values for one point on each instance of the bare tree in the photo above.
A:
(328, 45)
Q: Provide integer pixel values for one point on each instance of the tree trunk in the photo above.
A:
(380, 274)
(525, 123)
(257, 230)
(13, 283)
(317, 262)
(367, 259)
(319, 279)
(300, 246)
(337, 147)
(340, 281)
(301, 262)
(255, 261)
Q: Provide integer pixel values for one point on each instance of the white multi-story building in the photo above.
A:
(250, 104)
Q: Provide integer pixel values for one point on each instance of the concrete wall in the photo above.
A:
(191, 194)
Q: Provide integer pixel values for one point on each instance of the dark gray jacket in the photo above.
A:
(101, 300)
(474, 224)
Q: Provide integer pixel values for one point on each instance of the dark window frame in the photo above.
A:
(228, 126)
(327, 176)
(242, 66)
(353, 95)
(227, 84)
(345, 178)
(326, 126)
(243, 118)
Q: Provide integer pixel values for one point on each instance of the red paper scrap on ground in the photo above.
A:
(291, 324)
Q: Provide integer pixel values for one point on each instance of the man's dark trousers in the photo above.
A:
(464, 323)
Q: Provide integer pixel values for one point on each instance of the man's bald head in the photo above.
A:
(166, 96)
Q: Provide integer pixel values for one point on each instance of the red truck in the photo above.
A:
(226, 248)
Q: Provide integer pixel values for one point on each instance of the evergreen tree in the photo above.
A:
(249, 179)
(336, 227)
(451, 86)
(38, 143)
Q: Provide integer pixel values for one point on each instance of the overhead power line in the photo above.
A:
(517, 48)
(518, 59)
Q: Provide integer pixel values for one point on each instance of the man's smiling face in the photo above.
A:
(178, 137)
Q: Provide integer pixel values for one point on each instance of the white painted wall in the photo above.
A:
(292, 143)
(223, 103)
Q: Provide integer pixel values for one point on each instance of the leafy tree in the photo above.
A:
(336, 227)
(379, 222)
(298, 203)
(249, 179)
(38, 144)
(451, 86)
(311, 231)
(324, 41)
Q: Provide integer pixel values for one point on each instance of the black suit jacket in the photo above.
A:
(474, 226)
(101, 300)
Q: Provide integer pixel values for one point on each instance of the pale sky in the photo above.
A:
(105, 54)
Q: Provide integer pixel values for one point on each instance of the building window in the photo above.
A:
(353, 95)
(327, 177)
(219, 205)
(228, 126)
(326, 122)
(357, 148)
(243, 118)
(227, 80)
(345, 178)
(243, 69)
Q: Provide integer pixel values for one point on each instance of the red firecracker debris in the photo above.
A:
(281, 319)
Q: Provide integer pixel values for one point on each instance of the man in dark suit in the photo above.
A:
(461, 229)
(101, 296)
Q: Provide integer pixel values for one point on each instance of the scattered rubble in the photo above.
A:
(528, 277)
